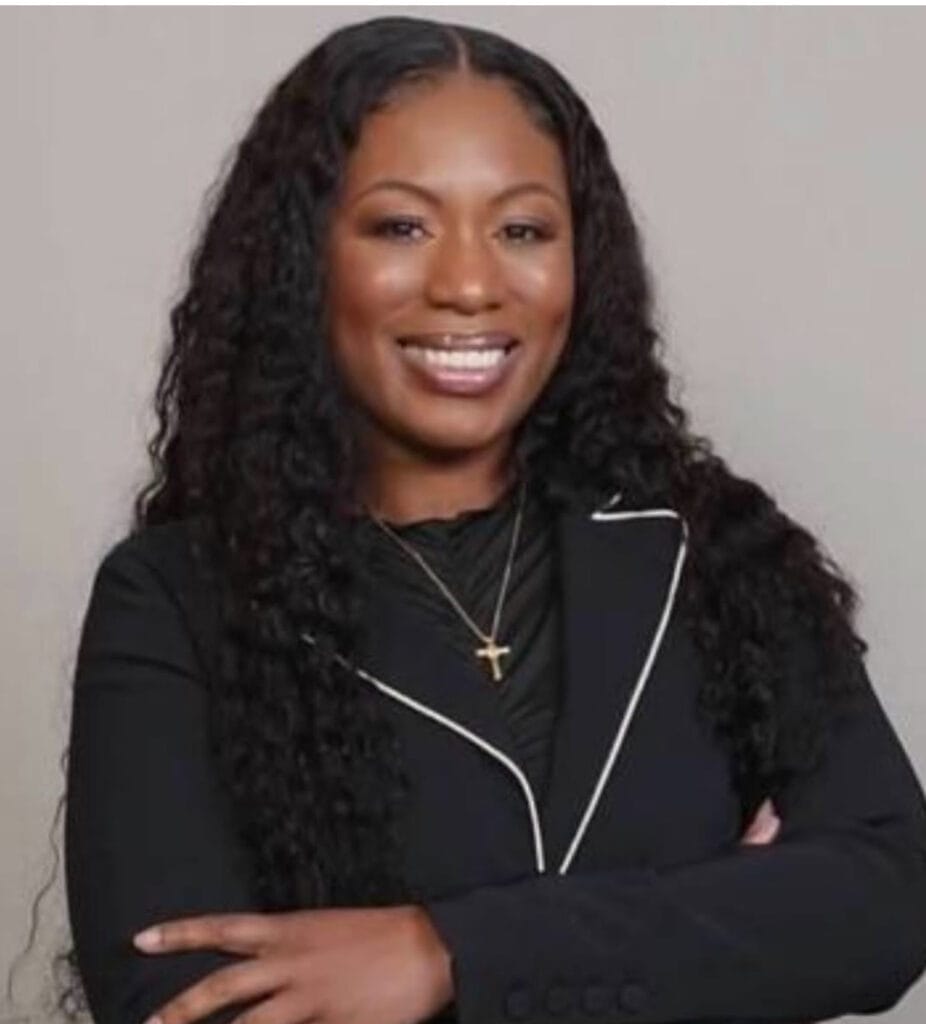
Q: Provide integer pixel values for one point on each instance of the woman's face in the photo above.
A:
(450, 268)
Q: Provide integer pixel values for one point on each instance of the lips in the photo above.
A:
(453, 363)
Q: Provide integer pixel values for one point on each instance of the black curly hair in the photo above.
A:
(252, 447)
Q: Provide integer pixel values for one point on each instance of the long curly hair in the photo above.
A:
(252, 447)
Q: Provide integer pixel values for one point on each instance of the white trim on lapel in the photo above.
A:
(429, 712)
(603, 516)
(599, 515)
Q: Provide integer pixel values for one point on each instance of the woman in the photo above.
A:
(444, 668)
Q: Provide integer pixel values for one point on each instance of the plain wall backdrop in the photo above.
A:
(775, 159)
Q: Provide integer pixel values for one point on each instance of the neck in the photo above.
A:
(404, 489)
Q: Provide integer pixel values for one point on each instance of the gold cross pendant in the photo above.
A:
(492, 652)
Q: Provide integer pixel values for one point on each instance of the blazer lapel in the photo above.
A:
(405, 659)
(620, 571)
(406, 656)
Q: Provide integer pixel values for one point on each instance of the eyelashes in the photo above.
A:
(411, 229)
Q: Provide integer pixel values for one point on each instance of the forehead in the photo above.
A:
(463, 132)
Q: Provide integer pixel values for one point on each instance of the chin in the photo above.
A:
(450, 440)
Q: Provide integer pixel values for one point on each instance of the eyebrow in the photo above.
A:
(431, 197)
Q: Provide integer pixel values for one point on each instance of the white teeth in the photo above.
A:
(460, 359)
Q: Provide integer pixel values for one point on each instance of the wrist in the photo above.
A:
(436, 954)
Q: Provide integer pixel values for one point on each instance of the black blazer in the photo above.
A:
(623, 895)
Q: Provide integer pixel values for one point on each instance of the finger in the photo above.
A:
(238, 983)
(249, 934)
(285, 1008)
(764, 814)
(761, 836)
(767, 809)
(762, 832)
(764, 826)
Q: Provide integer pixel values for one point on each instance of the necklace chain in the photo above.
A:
(491, 651)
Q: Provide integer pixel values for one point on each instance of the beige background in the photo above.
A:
(776, 161)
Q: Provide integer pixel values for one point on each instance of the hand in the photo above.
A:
(330, 966)
(764, 826)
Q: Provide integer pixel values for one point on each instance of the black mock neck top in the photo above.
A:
(469, 553)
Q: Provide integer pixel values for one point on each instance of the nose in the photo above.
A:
(463, 273)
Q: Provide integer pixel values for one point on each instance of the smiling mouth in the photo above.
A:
(459, 364)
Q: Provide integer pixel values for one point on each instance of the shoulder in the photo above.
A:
(150, 581)
(158, 557)
(164, 549)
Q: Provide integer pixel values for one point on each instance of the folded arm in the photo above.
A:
(148, 835)
(829, 919)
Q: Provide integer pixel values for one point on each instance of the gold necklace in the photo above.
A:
(491, 651)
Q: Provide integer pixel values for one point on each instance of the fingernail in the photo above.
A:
(153, 1020)
(150, 938)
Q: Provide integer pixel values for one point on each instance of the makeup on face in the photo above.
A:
(451, 274)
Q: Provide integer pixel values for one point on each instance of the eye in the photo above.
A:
(397, 227)
(527, 232)
(409, 229)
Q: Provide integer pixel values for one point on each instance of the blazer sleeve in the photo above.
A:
(828, 919)
(147, 831)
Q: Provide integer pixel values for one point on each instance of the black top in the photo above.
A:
(469, 553)
(660, 915)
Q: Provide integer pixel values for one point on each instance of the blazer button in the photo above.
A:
(558, 998)
(518, 1002)
(632, 997)
(596, 998)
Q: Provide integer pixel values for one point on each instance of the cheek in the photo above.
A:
(365, 289)
(548, 291)
(366, 294)
(546, 287)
